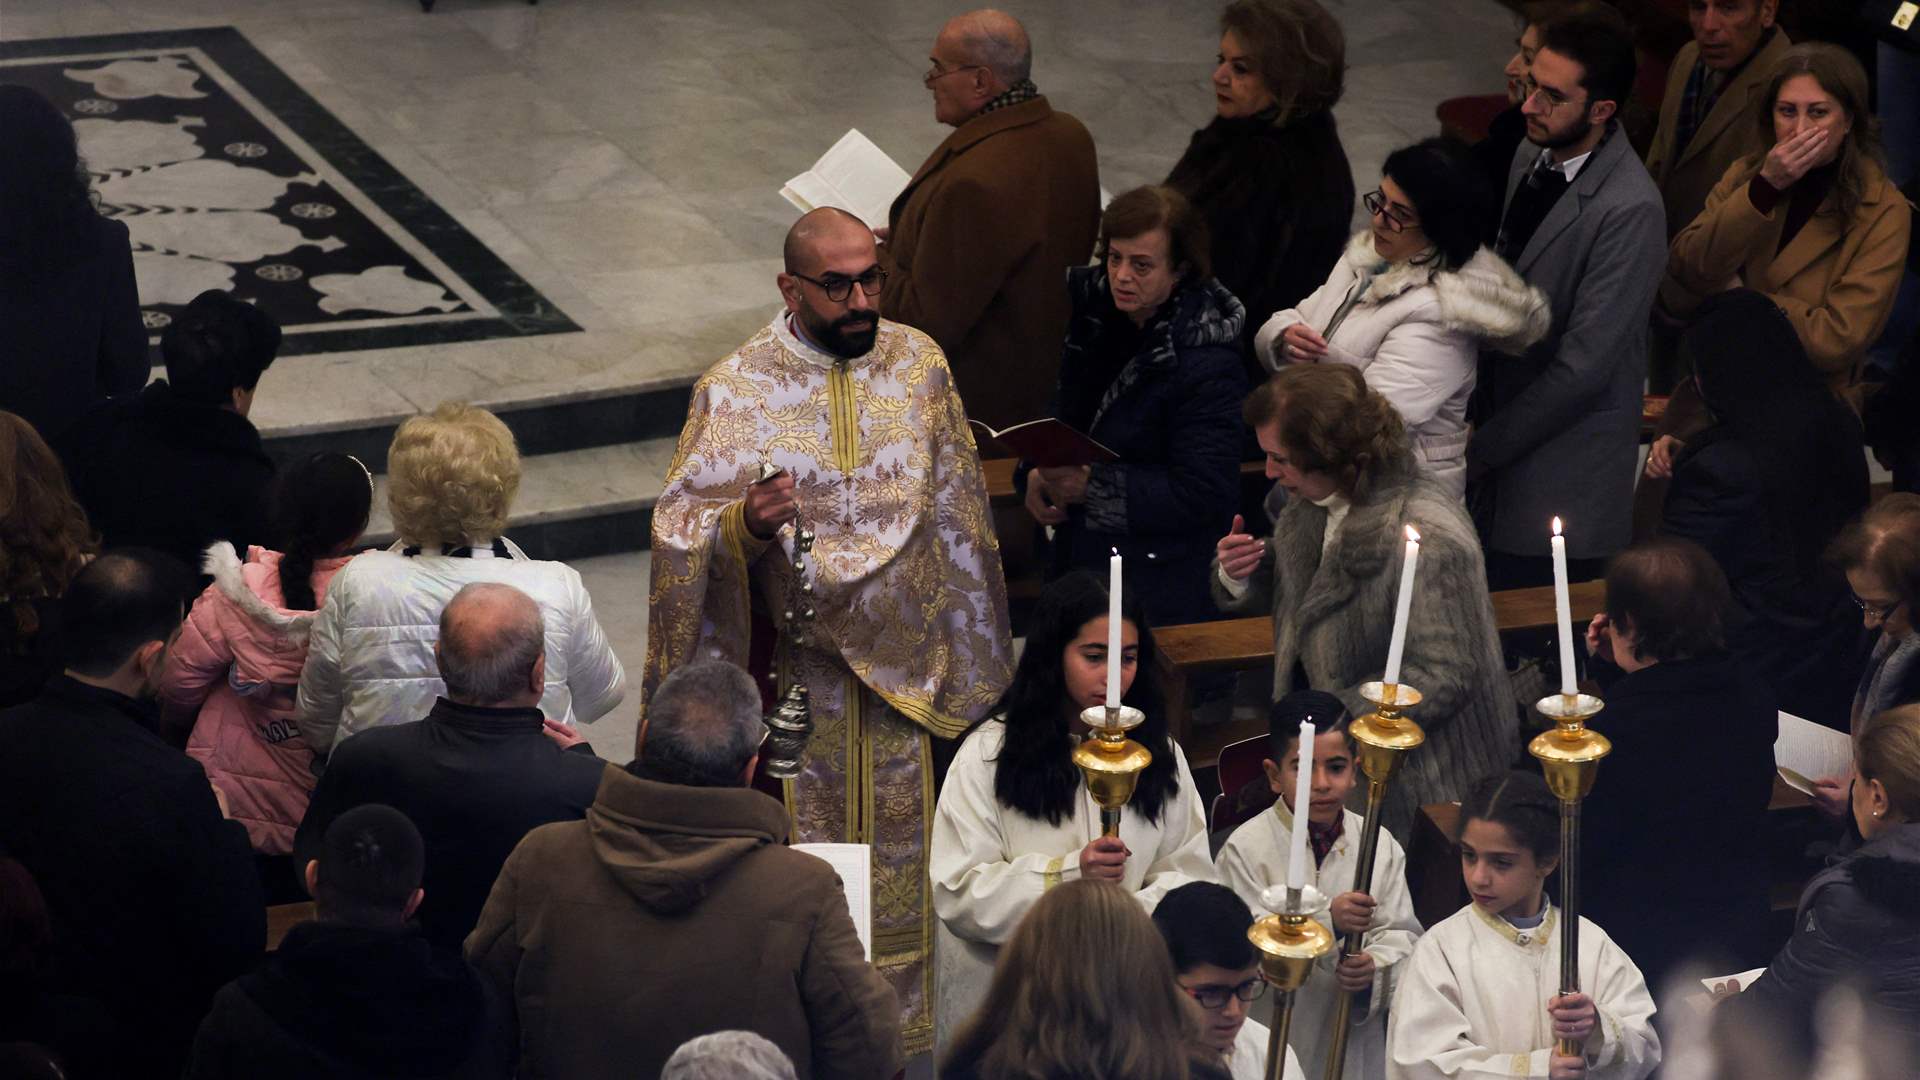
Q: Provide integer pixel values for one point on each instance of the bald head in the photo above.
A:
(492, 647)
(993, 39)
(819, 232)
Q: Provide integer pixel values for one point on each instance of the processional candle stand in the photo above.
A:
(1289, 940)
(790, 724)
(1570, 759)
(1110, 761)
(1384, 738)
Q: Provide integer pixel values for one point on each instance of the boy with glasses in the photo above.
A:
(1205, 927)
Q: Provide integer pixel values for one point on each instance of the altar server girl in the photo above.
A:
(1479, 998)
(1014, 817)
(1255, 858)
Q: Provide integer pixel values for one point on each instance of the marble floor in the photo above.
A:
(624, 156)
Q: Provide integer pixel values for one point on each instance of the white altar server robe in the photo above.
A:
(1248, 1058)
(1472, 1003)
(1255, 857)
(990, 863)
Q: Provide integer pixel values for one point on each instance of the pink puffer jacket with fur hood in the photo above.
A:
(238, 662)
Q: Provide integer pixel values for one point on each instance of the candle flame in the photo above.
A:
(1556, 526)
(1413, 534)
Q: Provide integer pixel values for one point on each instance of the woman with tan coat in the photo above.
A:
(1812, 222)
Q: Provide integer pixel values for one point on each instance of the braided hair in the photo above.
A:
(319, 505)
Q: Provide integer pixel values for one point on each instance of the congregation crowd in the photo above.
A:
(214, 699)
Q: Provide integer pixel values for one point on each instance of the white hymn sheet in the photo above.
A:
(1805, 751)
(1742, 980)
(855, 176)
(854, 864)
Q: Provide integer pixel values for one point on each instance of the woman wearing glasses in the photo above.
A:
(1412, 300)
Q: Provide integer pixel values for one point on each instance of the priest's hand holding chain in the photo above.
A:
(769, 505)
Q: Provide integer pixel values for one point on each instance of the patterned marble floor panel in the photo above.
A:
(229, 176)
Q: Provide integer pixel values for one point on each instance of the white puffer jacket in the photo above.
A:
(370, 656)
(1415, 334)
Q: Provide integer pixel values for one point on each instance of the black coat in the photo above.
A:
(152, 894)
(341, 1002)
(154, 470)
(70, 334)
(1858, 923)
(28, 661)
(1279, 208)
(473, 780)
(1661, 818)
(1494, 155)
(1166, 398)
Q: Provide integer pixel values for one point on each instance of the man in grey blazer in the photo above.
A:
(1557, 428)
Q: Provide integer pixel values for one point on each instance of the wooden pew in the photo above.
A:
(284, 917)
(999, 477)
(1247, 644)
(1433, 859)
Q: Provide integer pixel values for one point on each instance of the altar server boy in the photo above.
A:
(1480, 995)
(1255, 858)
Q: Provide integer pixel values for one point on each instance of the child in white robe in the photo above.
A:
(1014, 817)
(1255, 857)
(1205, 927)
(1480, 996)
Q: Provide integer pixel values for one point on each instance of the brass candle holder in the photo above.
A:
(1289, 940)
(1570, 759)
(1385, 736)
(790, 725)
(1111, 762)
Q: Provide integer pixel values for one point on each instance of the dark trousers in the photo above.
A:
(1505, 570)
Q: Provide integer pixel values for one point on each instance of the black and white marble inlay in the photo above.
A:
(229, 176)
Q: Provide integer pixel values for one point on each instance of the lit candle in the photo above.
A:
(1398, 645)
(1563, 611)
(1113, 630)
(1302, 785)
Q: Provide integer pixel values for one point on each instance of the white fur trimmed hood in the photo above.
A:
(224, 564)
(1485, 298)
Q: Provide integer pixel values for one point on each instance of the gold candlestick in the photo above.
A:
(1289, 940)
(1385, 737)
(1111, 762)
(1570, 759)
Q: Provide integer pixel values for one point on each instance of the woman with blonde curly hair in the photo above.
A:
(1330, 575)
(1083, 988)
(451, 478)
(44, 541)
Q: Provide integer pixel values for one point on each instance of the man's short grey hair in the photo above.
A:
(703, 726)
(996, 41)
(491, 635)
(728, 1055)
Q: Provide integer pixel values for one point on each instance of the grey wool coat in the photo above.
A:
(1333, 618)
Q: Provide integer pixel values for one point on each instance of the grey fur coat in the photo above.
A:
(1334, 618)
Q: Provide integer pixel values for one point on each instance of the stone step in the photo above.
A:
(573, 504)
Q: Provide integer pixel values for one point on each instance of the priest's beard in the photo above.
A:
(837, 338)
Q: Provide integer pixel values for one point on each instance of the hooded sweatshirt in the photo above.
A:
(675, 911)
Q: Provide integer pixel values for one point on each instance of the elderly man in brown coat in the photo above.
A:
(979, 243)
(675, 910)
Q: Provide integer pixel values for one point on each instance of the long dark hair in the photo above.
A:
(46, 196)
(1034, 773)
(1448, 190)
(319, 504)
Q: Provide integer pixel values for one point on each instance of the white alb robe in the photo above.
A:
(1255, 857)
(1248, 1058)
(990, 863)
(1472, 1003)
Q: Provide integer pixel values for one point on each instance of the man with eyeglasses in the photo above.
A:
(979, 243)
(837, 420)
(1205, 926)
(1557, 427)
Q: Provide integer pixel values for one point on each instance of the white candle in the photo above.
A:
(1113, 631)
(1397, 647)
(1563, 611)
(1302, 786)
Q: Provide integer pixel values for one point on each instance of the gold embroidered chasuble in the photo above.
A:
(911, 635)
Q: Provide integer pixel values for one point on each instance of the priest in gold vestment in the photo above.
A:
(911, 639)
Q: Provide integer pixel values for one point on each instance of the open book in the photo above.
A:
(854, 864)
(1805, 751)
(1045, 443)
(855, 176)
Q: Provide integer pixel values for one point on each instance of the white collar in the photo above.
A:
(807, 350)
(1569, 168)
(1333, 504)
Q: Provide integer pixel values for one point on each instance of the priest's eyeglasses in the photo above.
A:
(839, 288)
(1397, 220)
(1215, 997)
